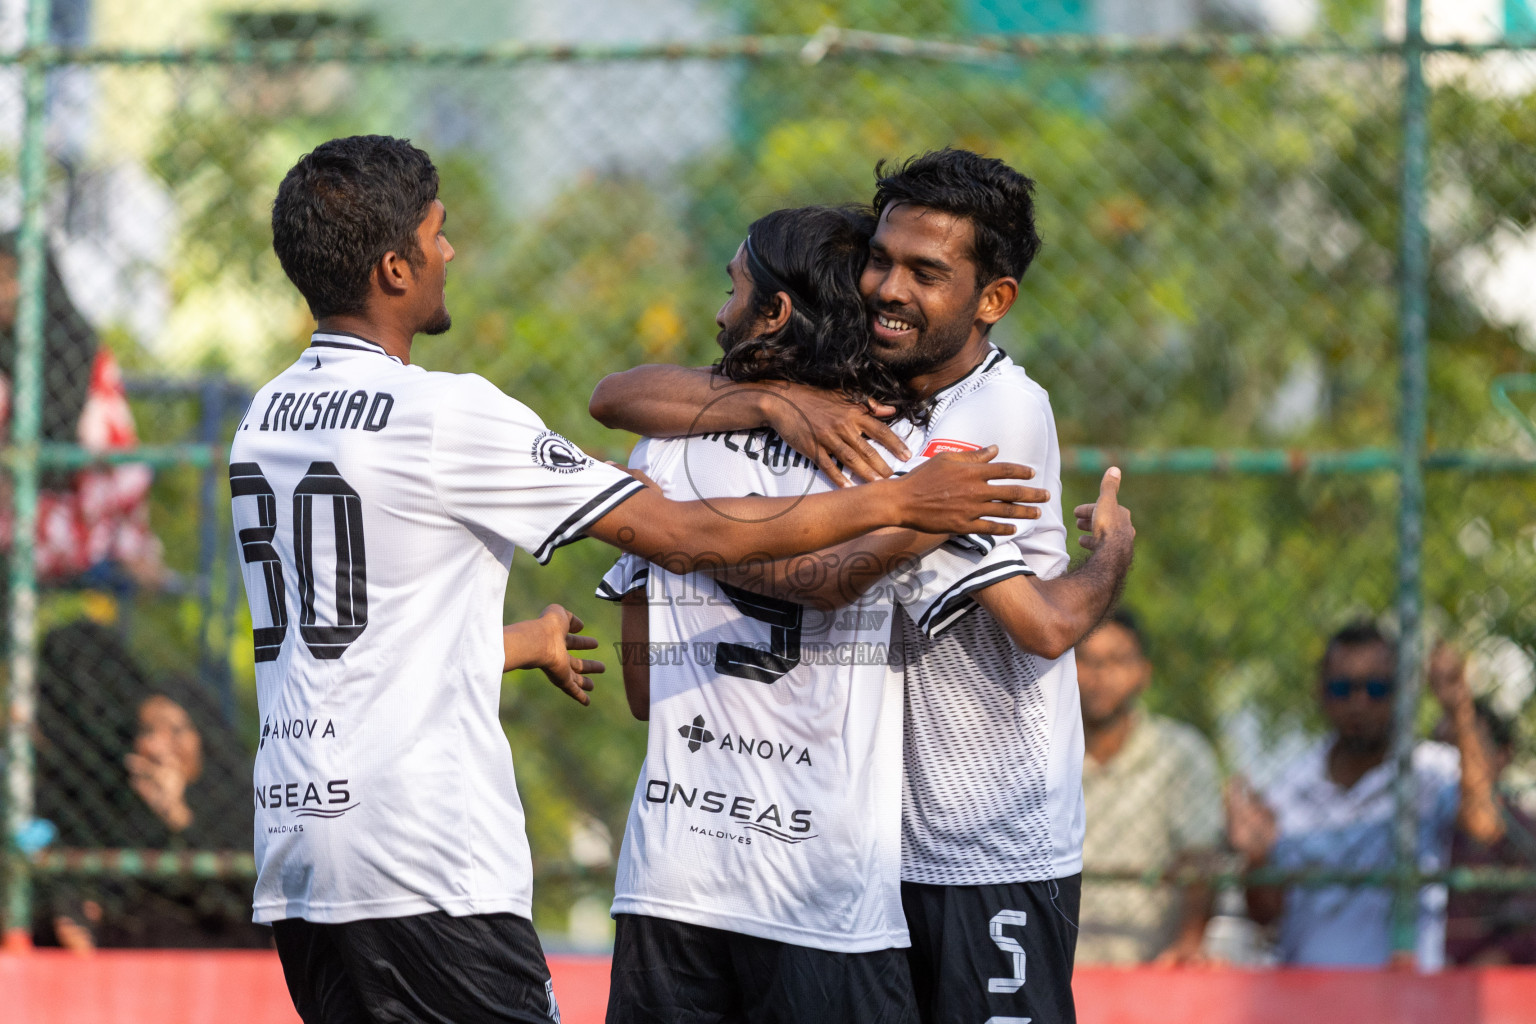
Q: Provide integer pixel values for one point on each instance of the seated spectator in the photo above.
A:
(1154, 805)
(1332, 810)
(1486, 927)
(128, 763)
(93, 520)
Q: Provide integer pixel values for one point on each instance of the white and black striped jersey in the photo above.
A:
(994, 739)
(769, 803)
(378, 507)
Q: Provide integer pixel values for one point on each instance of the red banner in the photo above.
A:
(176, 987)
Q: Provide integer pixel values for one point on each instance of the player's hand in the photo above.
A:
(950, 493)
(545, 643)
(1106, 521)
(827, 428)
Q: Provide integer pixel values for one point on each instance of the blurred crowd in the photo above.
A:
(1161, 825)
(124, 760)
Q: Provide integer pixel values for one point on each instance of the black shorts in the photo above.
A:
(667, 972)
(1000, 954)
(426, 968)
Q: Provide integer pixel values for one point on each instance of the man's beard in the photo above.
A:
(935, 345)
(438, 324)
(735, 339)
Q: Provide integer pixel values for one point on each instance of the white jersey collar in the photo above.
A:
(343, 339)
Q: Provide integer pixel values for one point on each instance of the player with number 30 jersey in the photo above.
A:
(383, 781)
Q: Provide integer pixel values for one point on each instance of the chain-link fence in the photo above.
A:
(1281, 277)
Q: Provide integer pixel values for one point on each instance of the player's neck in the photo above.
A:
(952, 369)
(394, 339)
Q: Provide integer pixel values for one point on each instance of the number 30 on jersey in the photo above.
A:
(325, 642)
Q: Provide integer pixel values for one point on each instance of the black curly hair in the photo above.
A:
(995, 198)
(814, 254)
(341, 208)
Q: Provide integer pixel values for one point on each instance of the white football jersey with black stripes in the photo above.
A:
(994, 737)
(769, 803)
(377, 507)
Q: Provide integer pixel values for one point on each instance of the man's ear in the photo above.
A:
(997, 299)
(395, 273)
(783, 308)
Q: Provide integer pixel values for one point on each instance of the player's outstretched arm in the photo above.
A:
(952, 493)
(824, 426)
(635, 651)
(837, 576)
(1049, 617)
(545, 643)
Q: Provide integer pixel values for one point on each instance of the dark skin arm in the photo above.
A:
(1198, 902)
(1049, 617)
(947, 494)
(825, 427)
(1044, 617)
(545, 643)
(635, 631)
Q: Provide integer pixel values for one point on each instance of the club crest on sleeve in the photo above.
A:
(939, 445)
(558, 455)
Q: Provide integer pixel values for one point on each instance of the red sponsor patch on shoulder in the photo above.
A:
(940, 445)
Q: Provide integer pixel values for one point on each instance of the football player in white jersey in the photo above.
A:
(378, 507)
(759, 877)
(992, 803)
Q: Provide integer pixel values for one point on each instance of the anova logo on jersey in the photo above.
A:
(295, 729)
(558, 455)
(308, 802)
(790, 826)
(698, 736)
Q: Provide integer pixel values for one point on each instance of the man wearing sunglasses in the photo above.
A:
(1331, 810)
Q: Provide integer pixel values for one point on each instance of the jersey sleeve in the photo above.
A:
(1018, 421)
(937, 591)
(629, 573)
(496, 467)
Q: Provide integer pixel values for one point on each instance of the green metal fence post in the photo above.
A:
(25, 424)
(1413, 329)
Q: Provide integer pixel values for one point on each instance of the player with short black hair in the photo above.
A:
(378, 507)
(992, 822)
(341, 208)
(997, 200)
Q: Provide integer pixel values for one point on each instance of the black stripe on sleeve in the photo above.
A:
(637, 582)
(976, 543)
(955, 602)
(575, 525)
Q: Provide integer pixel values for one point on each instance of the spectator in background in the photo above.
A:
(124, 762)
(1153, 801)
(1332, 810)
(90, 522)
(1485, 927)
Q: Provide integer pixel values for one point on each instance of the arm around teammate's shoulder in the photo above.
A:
(825, 426)
(658, 400)
(1049, 617)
